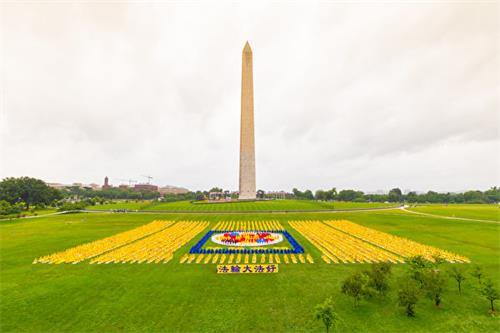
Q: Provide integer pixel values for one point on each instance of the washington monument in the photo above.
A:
(247, 142)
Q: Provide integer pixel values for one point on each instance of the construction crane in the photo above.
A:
(148, 177)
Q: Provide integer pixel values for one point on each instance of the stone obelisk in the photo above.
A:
(247, 142)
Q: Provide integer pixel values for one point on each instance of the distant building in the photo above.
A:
(124, 186)
(216, 196)
(277, 195)
(58, 186)
(145, 188)
(94, 186)
(172, 190)
(106, 183)
(222, 196)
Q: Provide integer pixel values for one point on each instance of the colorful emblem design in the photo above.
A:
(247, 238)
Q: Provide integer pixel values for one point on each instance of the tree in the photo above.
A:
(411, 197)
(308, 195)
(418, 266)
(355, 286)
(350, 195)
(31, 191)
(325, 313)
(395, 195)
(408, 296)
(297, 193)
(434, 285)
(492, 195)
(332, 194)
(490, 292)
(438, 260)
(215, 189)
(474, 197)
(378, 277)
(459, 276)
(321, 195)
(477, 272)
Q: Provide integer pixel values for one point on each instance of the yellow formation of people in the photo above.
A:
(339, 241)
(339, 247)
(248, 225)
(157, 248)
(82, 252)
(342, 241)
(399, 245)
(238, 258)
(262, 258)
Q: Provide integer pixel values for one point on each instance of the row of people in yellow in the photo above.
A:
(248, 225)
(240, 258)
(339, 247)
(157, 248)
(89, 250)
(399, 245)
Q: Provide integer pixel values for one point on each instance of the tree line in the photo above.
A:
(396, 195)
(21, 194)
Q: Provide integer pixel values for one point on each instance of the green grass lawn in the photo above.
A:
(182, 297)
(130, 205)
(483, 212)
(37, 212)
(271, 205)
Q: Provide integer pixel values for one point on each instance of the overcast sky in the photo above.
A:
(365, 96)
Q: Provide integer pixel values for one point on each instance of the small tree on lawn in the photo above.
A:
(408, 296)
(356, 287)
(418, 266)
(438, 260)
(434, 284)
(491, 293)
(459, 276)
(477, 272)
(325, 313)
(378, 277)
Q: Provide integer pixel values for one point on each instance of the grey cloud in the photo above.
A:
(347, 95)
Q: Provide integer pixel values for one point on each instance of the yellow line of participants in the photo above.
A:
(89, 250)
(399, 245)
(158, 248)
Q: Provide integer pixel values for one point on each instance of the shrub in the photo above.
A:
(458, 274)
(8, 209)
(325, 313)
(68, 206)
(434, 284)
(356, 286)
(408, 296)
(491, 293)
(378, 277)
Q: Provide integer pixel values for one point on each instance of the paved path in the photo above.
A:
(33, 216)
(449, 217)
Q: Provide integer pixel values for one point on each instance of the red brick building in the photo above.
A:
(145, 188)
